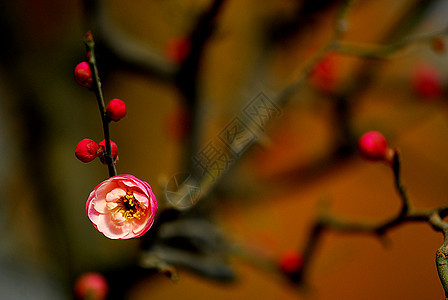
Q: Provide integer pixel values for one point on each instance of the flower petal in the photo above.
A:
(115, 194)
(112, 229)
(102, 189)
(93, 214)
(143, 199)
(140, 228)
(99, 205)
(136, 184)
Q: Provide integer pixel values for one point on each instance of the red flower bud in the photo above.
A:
(291, 262)
(86, 150)
(114, 149)
(438, 44)
(83, 75)
(373, 146)
(116, 109)
(91, 286)
(324, 77)
(427, 82)
(177, 49)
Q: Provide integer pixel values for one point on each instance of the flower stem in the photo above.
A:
(96, 87)
(396, 168)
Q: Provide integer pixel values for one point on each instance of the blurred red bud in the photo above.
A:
(91, 286)
(177, 49)
(427, 82)
(373, 146)
(291, 262)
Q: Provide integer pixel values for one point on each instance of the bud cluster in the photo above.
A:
(87, 150)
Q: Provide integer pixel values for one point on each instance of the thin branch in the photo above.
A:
(433, 217)
(396, 168)
(340, 26)
(96, 87)
(152, 261)
(376, 51)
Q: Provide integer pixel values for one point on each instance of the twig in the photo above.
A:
(96, 87)
(436, 220)
(376, 51)
(152, 261)
(433, 217)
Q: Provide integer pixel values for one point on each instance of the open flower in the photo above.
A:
(122, 207)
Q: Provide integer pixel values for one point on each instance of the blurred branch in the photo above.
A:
(124, 51)
(192, 243)
(188, 75)
(152, 261)
(384, 51)
(206, 183)
(327, 222)
(341, 26)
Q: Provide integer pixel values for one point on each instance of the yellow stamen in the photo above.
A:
(129, 207)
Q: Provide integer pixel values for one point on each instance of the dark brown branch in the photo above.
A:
(205, 183)
(434, 217)
(96, 87)
(188, 75)
(376, 51)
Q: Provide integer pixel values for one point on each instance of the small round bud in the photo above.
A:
(89, 36)
(86, 150)
(177, 49)
(114, 149)
(373, 146)
(91, 286)
(291, 262)
(427, 82)
(83, 75)
(116, 109)
(324, 76)
(438, 44)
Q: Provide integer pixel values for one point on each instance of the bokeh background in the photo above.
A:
(269, 201)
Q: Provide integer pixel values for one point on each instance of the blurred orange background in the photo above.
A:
(272, 197)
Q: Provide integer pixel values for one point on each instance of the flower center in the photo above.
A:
(129, 207)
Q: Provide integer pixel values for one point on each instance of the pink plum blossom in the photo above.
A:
(122, 207)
